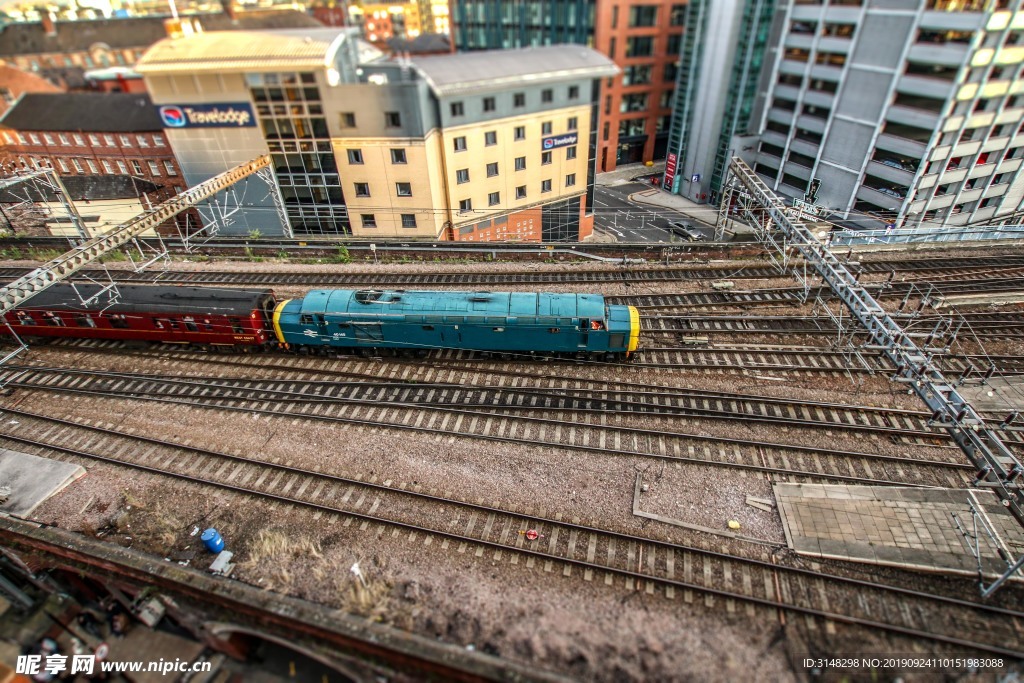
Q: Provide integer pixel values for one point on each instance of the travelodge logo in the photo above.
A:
(555, 141)
(220, 115)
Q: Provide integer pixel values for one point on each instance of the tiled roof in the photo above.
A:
(137, 32)
(88, 112)
(243, 50)
(494, 69)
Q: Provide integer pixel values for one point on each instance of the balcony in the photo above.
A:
(885, 170)
(773, 138)
(948, 54)
(810, 124)
(826, 73)
(993, 144)
(919, 118)
(1010, 165)
(901, 146)
(881, 199)
(799, 40)
(833, 44)
(798, 171)
(952, 175)
(953, 21)
(937, 88)
(819, 98)
(981, 171)
(787, 92)
(969, 196)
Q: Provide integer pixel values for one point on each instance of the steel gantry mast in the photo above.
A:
(63, 266)
(998, 468)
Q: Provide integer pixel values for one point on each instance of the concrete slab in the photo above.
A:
(897, 526)
(148, 646)
(1001, 395)
(32, 480)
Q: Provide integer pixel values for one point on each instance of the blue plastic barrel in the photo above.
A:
(212, 540)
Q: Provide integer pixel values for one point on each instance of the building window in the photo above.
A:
(643, 15)
(348, 119)
(63, 139)
(489, 104)
(462, 176)
(403, 189)
(545, 128)
(21, 138)
(106, 165)
(169, 167)
(109, 139)
(136, 167)
(355, 156)
(142, 141)
(574, 92)
(520, 133)
(519, 99)
(362, 189)
(158, 140)
(520, 163)
(570, 180)
(639, 46)
(465, 205)
(677, 17)
(94, 140)
(490, 138)
(547, 95)
(408, 220)
(459, 144)
(573, 123)
(521, 192)
(368, 220)
(493, 199)
(78, 165)
(154, 168)
(545, 186)
(570, 152)
(64, 165)
(492, 169)
(125, 141)
(48, 139)
(33, 138)
(545, 158)
(457, 109)
(398, 156)
(392, 119)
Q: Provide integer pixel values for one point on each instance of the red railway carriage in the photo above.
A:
(185, 315)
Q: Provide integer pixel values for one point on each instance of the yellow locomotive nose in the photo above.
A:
(634, 330)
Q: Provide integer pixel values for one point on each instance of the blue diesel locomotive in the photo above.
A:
(582, 325)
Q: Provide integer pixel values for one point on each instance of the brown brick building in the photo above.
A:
(93, 134)
(14, 82)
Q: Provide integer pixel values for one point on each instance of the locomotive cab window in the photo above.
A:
(119, 321)
(236, 326)
(159, 324)
(25, 318)
(53, 319)
(84, 320)
(305, 319)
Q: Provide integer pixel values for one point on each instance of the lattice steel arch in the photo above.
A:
(998, 468)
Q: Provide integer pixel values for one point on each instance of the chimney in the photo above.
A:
(229, 9)
(49, 25)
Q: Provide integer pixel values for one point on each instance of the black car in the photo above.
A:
(686, 231)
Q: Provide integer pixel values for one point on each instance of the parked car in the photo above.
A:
(685, 230)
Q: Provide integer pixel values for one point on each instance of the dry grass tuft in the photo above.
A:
(370, 600)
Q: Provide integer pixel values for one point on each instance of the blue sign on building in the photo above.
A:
(219, 115)
(555, 141)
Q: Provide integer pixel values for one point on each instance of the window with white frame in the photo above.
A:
(126, 141)
(63, 165)
(158, 140)
(64, 140)
(154, 168)
(78, 166)
(136, 167)
(92, 166)
(169, 167)
(48, 139)
(122, 167)
(107, 166)
(109, 139)
(79, 140)
(142, 141)
(33, 138)
(94, 139)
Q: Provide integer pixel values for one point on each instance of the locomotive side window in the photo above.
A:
(119, 321)
(158, 323)
(207, 325)
(236, 326)
(84, 320)
(190, 324)
(25, 318)
(428, 328)
(174, 324)
(305, 319)
(53, 319)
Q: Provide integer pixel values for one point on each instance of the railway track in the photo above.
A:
(797, 295)
(630, 275)
(570, 429)
(569, 546)
(982, 325)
